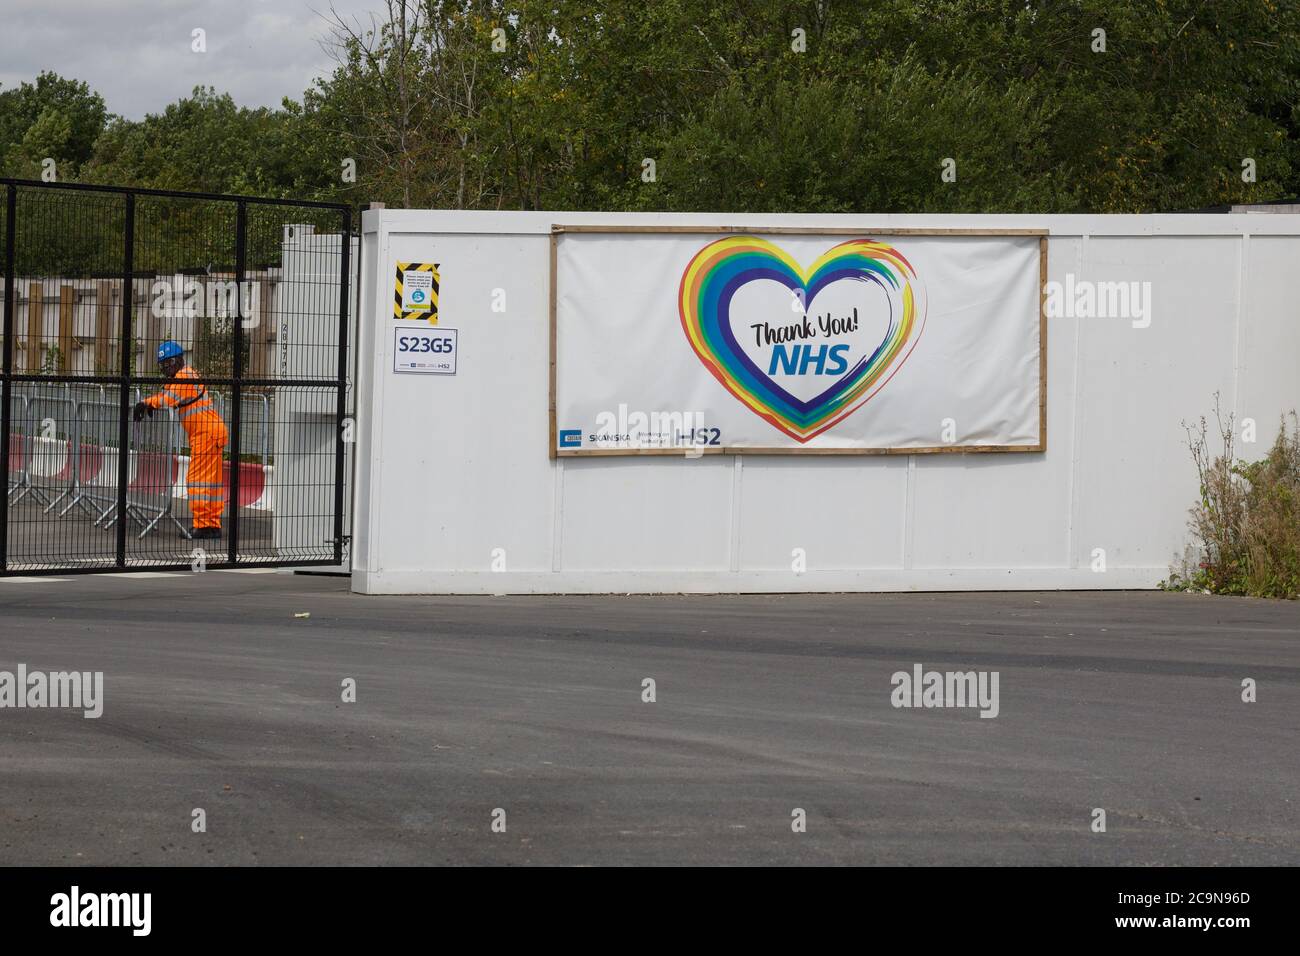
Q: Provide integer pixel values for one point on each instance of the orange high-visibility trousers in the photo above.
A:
(203, 479)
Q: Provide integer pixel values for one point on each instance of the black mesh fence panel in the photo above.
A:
(232, 454)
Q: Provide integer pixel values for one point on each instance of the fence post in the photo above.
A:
(6, 367)
(67, 313)
(35, 347)
(127, 355)
(103, 326)
(345, 243)
(237, 373)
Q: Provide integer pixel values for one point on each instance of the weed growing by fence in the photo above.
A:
(1247, 523)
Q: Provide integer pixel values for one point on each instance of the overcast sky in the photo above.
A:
(136, 53)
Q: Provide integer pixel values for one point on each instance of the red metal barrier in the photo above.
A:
(17, 446)
(91, 460)
(252, 483)
(154, 474)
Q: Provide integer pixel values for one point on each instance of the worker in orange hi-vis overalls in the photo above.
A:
(207, 434)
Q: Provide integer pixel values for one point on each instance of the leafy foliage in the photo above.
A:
(52, 117)
(1017, 92)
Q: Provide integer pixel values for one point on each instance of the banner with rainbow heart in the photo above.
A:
(803, 372)
(669, 342)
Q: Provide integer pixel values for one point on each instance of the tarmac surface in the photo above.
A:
(43, 537)
(218, 697)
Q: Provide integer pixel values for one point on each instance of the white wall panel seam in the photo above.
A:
(1243, 291)
(1076, 414)
(361, 394)
(365, 398)
(737, 491)
(557, 515)
(909, 513)
(377, 368)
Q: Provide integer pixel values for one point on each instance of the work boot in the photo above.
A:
(206, 533)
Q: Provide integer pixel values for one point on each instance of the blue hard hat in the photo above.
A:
(170, 349)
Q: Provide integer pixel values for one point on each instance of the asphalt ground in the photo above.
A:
(43, 537)
(217, 696)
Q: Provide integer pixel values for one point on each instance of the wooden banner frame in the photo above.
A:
(557, 230)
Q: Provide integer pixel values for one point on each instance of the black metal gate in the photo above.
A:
(256, 292)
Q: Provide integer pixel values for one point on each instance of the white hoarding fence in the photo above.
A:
(647, 343)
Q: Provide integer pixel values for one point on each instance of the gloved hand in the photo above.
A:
(141, 410)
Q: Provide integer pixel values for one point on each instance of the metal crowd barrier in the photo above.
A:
(20, 450)
(152, 471)
(255, 438)
(95, 490)
(34, 426)
(54, 439)
(64, 451)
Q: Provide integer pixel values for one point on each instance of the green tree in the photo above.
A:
(204, 142)
(762, 105)
(53, 118)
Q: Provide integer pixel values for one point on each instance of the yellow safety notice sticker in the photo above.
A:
(415, 293)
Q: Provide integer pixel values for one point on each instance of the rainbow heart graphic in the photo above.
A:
(718, 272)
